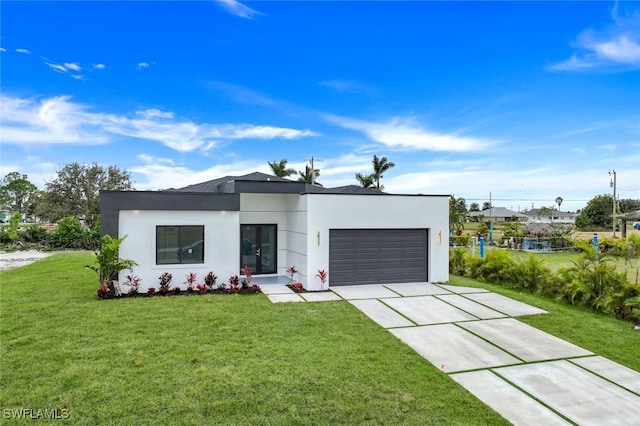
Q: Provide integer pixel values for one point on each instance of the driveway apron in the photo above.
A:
(528, 376)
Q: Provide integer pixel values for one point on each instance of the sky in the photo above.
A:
(522, 102)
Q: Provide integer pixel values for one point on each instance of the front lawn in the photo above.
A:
(208, 359)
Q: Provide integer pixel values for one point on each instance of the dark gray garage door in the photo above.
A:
(377, 256)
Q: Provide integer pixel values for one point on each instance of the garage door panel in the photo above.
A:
(373, 256)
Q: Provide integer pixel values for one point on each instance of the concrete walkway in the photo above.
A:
(528, 376)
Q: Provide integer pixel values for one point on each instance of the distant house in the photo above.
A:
(359, 236)
(550, 216)
(499, 214)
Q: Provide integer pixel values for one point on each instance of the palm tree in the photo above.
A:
(474, 207)
(280, 168)
(309, 177)
(365, 180)
(457, 213)
(380, 165)
(559, 201)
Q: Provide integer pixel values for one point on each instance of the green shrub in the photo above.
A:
(458, 261)
(35, 234)
(531, 274)
(462, 240)
(498, 267)
(589, 282)
(70, 234)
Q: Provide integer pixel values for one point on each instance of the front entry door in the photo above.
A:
(258, 248)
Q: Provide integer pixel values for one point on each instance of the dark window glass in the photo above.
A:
(179, 244)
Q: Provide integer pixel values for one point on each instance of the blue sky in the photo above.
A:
(527, 101)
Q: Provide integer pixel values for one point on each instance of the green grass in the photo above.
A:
(208, 359)
(600, 333)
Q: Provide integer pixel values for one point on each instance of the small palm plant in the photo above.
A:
(108, 263)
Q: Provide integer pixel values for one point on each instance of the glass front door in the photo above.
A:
(258, 248)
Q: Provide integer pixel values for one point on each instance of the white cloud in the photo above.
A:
(25, 51)
(245, 131)
(99, 66)
(57, 67)
(616, 47)
(155, 113)
(58, 120)
(2, 49)
(48, 121)
(403, 133)
(72, 66)
(67, 67)
(142, 65)
(158, 174)
(236, 8)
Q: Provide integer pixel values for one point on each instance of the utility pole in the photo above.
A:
(313, 174)
(612, 184)
(313, 170)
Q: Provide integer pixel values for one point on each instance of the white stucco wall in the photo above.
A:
(289, 214)
(303, 224)
(334, 211)
(222, 244)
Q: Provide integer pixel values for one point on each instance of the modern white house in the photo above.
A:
(550, 216)
(357, 235)
(499, 214)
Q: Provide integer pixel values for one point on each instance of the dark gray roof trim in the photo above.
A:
(111, 202)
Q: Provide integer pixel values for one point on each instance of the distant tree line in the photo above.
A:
(71, 199)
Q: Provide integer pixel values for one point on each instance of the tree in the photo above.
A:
(280, 169)
(474, 207)
(628, 205)
(366, 181)
(457, 213)
(309, 177)
(18, 194)
(546, 212)
(559, 201)
(486, 205)
(597, 214)
(380, 165)
(76, 191)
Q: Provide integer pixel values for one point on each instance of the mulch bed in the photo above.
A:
(304, 290)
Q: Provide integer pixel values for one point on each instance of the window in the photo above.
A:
(179, 244)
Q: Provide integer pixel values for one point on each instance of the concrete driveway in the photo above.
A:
(528, 376)
(17, 259)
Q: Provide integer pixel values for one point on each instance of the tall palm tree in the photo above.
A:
(366, 181)
(308, 176)
(280, 169)
(380, 165)
(457, 213)
(559, 201)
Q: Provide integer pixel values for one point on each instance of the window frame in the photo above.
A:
(180, 245)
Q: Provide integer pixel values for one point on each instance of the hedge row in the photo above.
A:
(590, 282)
(69, 234)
